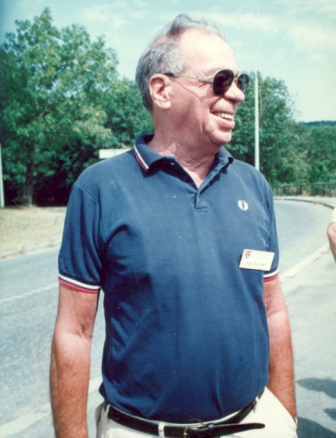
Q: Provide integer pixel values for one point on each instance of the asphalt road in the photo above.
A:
(28, 310)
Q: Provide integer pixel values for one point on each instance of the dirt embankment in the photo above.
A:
(22, 228)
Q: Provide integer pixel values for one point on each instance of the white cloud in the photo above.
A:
(112, 38)
(312, 37)
(281, 53)
(321, 7)
(116, 14)
(98, 13)
(306, 36)
(139, 15)
(34, 4)
(119, 4)
(140, 3)
(266, 23)
(317, 57)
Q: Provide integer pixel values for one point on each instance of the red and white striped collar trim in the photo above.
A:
(140, 160)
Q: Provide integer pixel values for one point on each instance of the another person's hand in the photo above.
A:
(331, 232)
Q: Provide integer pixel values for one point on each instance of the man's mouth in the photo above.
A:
(225, 116)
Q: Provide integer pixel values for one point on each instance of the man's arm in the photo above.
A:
(70, 361)
(281, 373)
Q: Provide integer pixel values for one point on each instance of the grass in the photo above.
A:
(22, 228)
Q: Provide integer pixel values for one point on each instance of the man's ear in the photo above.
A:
(159, 89)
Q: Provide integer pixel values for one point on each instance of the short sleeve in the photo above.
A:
(80, 261)
(273, 245)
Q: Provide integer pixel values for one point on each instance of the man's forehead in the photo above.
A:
(206, 49)
(203, 38)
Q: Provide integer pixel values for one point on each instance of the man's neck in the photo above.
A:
(194, 160)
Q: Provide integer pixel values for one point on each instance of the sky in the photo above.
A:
(292, 40)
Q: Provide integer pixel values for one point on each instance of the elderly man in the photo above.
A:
(182, 239)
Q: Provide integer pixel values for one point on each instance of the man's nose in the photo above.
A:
(234, 93)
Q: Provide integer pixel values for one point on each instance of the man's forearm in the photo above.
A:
(69, 382)
(281, 372)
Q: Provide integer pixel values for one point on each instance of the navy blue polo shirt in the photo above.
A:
(186, 329)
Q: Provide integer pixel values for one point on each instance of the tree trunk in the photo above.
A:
(29, 183)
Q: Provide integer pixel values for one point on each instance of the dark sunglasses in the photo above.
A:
(221, 81)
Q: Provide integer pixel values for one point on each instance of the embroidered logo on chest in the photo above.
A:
(243, 205)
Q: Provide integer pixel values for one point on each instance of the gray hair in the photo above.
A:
(163, 54)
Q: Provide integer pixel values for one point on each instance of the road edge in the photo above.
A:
(290, 273)
(312, 201)
(30, 249)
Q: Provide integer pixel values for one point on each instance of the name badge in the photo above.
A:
(259, 260)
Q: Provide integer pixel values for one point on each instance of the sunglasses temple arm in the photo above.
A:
(192, 77)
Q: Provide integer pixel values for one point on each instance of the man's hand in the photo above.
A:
(281, 354)
(70, 361)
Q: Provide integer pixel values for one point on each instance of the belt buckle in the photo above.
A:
(193, 426)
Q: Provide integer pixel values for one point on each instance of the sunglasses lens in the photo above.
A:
(222, 81)
(243, 82)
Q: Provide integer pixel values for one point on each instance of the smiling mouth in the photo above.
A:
(224, 116)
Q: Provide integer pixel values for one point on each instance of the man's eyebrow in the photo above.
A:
(212, 71)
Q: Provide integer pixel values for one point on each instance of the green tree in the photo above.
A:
(320, 152)
(280, 160)
(126, 116)
(53, 84)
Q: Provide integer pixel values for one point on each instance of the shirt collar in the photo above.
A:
(224, 156)
(146, 156)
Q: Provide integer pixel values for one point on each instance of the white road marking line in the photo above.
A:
(298, 267)
(28, 294)
(22, 423)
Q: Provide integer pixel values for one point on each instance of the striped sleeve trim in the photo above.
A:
(271, 275)
(75, 284)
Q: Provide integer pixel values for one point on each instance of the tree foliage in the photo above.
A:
(319, 149)
(55, 86)
(322, 122)
(280, 160)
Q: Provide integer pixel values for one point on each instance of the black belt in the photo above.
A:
(207, 430)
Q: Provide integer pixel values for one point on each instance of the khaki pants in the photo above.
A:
(269, 411)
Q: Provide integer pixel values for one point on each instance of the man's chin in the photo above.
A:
(222, 138)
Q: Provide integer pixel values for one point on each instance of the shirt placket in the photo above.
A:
(206, 184)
